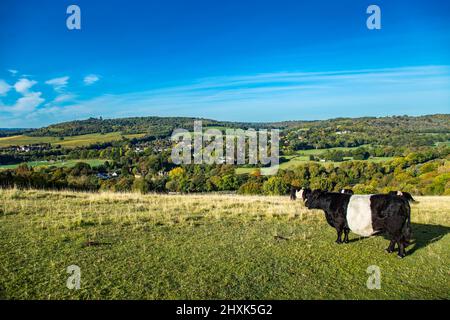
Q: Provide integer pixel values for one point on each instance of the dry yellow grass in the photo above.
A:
(428, 209)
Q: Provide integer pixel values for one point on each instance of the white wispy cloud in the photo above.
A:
(278, 96)
(4, 87)
(275, 96)
(28, 103)
(13, 72)
(58, 83)
(64, 97)
(25, 104)
(91, 79)
(23, 85)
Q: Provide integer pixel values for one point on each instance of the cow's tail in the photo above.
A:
(406, 229)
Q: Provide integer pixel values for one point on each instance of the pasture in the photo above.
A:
(67, 163)
(289, 162)
(293, 161)
(69, 141)
(132, 246)
(316, 152)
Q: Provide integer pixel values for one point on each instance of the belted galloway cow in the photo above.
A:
(364, 215)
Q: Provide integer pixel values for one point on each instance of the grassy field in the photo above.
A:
(131, 246)
(293, 161)
(296, 160)
(68, 163)
(70, 142)
(302, 156)
(316, 152)
(244, 170)
(446, 143)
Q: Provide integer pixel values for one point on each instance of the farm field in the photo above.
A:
(68, 163)
(446, 143)
(132, 246)
(293, 161)
(316, 152)
(244, 170)
(302, 156)
(69, 141)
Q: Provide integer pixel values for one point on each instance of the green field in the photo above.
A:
(130, 246)
(70, 142)
(294, 161)
(68, 163)
(302, 156)
(446, 143)
(316, 152)
(245, 170)
(297, 160)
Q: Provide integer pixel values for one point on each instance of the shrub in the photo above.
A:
(275, 186)
(250, 187)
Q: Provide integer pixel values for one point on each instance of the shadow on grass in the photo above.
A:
(425, 234)
(422, 236)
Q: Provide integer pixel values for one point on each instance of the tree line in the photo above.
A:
(426, 172)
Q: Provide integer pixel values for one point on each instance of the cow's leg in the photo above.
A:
(339, 230)
(394, 226)
(346, 232)
(391, 247)
(405, 242)
(401, 248)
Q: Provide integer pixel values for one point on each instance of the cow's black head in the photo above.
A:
(312, 200)
(306, 193)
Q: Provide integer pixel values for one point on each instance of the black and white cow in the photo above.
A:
(294, 191)
(348, 191)
(405, 195)
(300, 193)
(297, 192)
(365, 215)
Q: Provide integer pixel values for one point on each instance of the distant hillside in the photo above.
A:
(395, 131)
(438, 123)
(7, 132)
(155, 126)
(163, 126)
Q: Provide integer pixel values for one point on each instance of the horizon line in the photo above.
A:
(230, 121)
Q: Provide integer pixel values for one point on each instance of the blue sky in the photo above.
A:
(227, 60)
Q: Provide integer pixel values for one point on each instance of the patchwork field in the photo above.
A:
(131, 246)
(68, 163)
(70, 141)
(316, 152)
(294, 161)
(302, 157)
